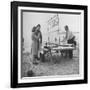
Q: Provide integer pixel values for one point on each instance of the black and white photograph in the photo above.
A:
(50, 44)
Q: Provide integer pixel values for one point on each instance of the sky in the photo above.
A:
(31, 19)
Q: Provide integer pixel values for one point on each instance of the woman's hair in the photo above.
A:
(33, 29)
(38, 25)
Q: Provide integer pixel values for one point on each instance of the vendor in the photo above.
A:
(70, 38)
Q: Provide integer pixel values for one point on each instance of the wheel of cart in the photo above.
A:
(45, 54)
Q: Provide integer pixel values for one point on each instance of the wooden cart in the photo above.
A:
(51, 48)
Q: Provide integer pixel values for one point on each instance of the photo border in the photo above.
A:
(14, 43)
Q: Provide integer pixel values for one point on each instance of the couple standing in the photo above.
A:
(36, 43)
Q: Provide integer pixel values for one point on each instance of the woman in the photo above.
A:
(34, 48)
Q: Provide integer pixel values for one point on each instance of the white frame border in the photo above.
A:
(49, 78)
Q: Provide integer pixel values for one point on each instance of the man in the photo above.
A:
(38, 27)
(70, 38)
